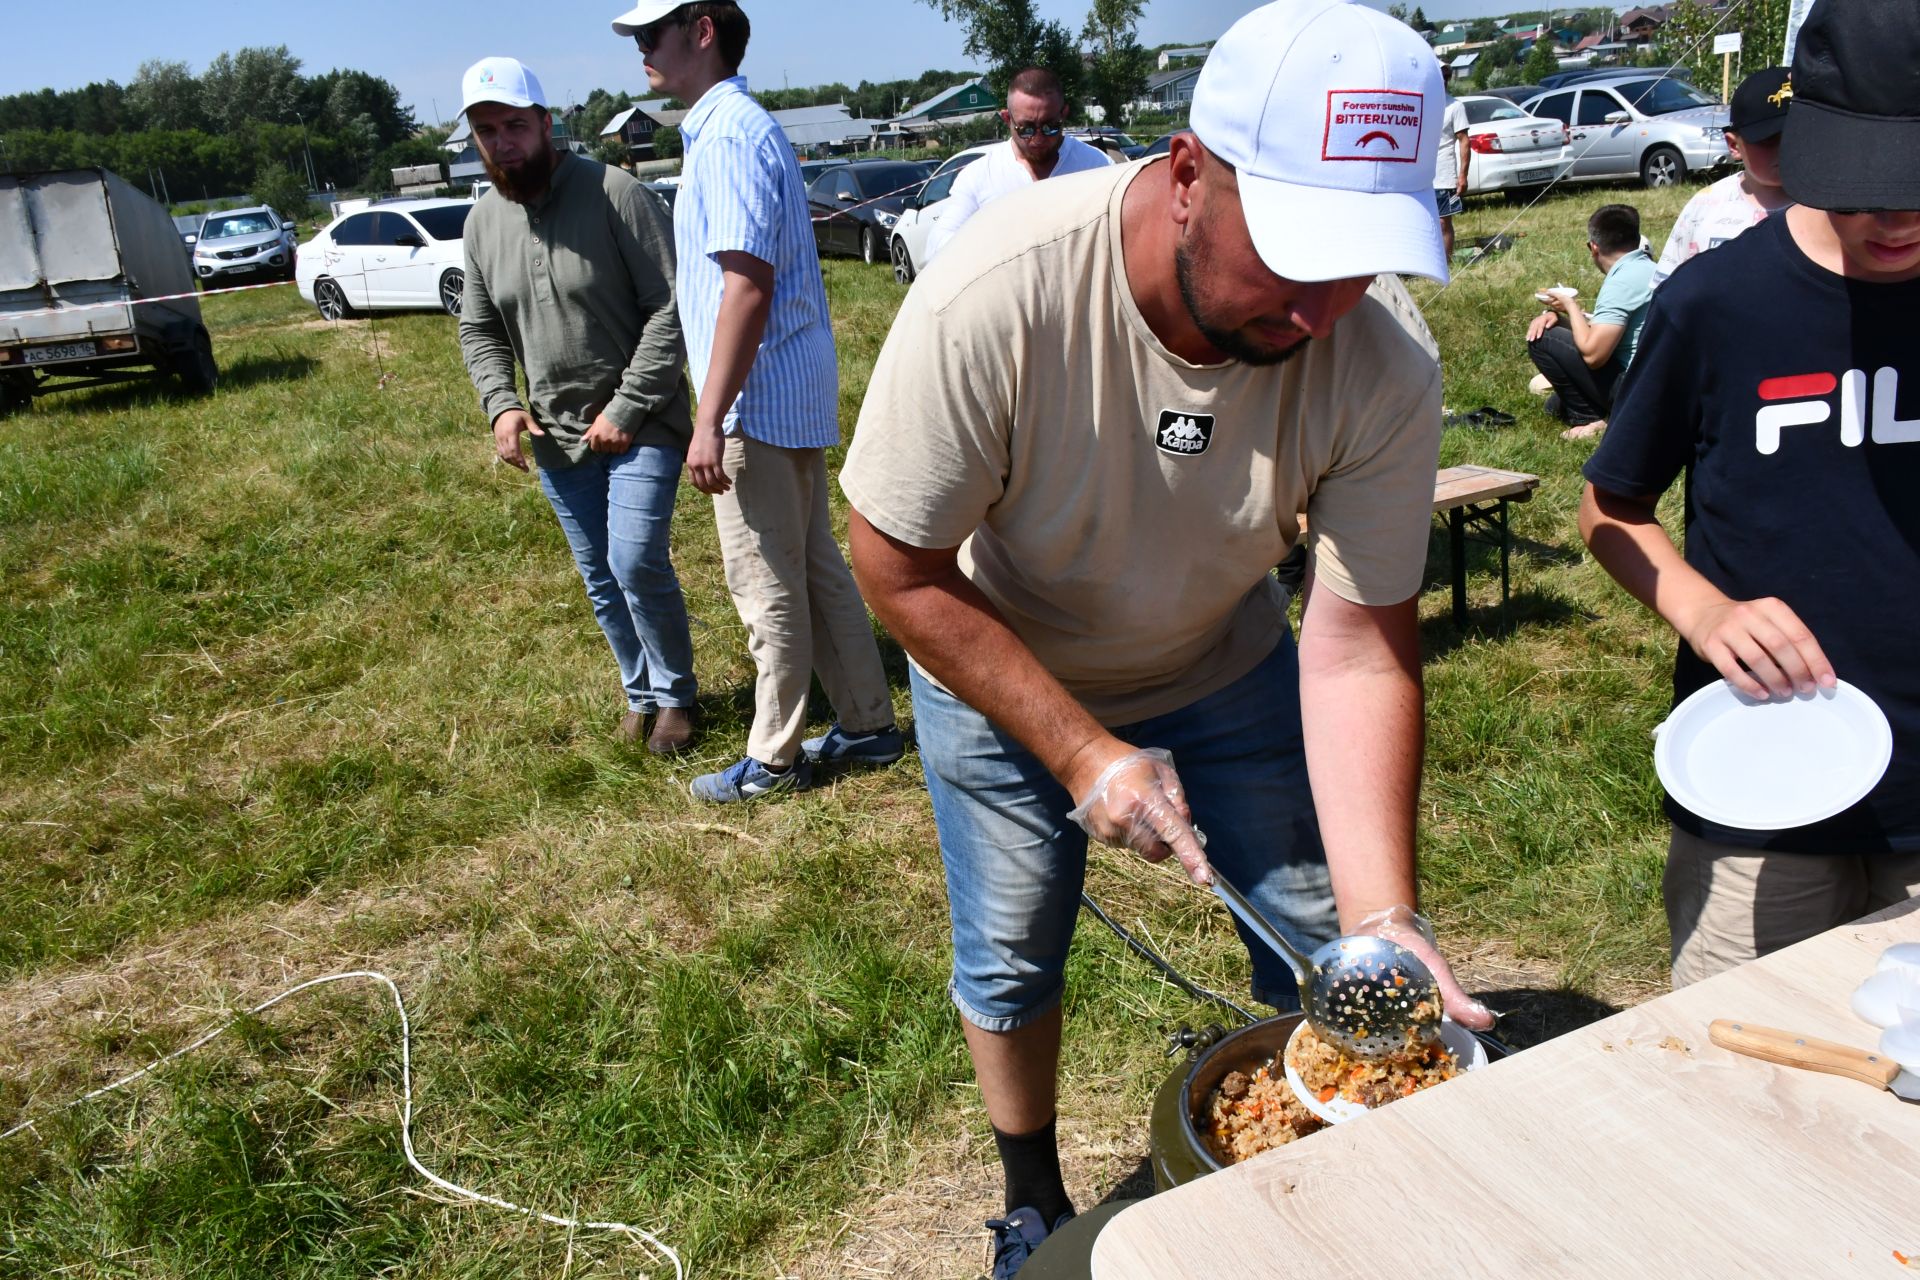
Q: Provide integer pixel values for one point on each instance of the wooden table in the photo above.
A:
(1632, 1147)
(1477, 496)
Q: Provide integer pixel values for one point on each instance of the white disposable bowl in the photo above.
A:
(1465, 1045)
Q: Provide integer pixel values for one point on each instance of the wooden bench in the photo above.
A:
(1477, 496)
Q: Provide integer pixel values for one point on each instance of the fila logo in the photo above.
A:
(1372, 124)
(1184, 434)
(1801, 401)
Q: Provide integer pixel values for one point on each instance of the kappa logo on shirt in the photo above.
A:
(1184, 434)
(1803, 400)
(1373, 124)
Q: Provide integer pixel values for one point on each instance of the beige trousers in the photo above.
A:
(1727, 905)
(794, 592)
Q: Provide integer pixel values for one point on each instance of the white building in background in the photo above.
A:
(1169, 56)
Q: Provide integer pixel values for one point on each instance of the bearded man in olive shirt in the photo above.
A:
(569, 274)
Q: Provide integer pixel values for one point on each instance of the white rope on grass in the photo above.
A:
(652, 1241)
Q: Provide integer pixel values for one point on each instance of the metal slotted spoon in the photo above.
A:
(1362, 993)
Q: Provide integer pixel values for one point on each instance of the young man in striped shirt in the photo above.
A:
(754, 311)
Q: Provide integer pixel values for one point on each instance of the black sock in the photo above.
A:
(1031, 1162)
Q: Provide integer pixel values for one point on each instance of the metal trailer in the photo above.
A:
(78, 250)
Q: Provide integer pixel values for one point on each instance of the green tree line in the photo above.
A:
(868, 100)
(1105, 66)
(250, 113)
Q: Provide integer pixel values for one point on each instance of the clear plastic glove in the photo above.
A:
(1404, 925)
(1137, 803)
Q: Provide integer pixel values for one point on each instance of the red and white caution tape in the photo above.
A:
(876, 200)
(6, 316)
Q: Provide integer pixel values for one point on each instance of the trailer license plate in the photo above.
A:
(64, 351)
(1535, 175)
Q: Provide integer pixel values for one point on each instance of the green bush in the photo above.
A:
(279, 188)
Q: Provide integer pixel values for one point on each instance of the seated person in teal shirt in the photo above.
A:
(1581, 356)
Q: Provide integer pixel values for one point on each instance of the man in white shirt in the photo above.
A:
(761, 351)
(1450, 170)
(1036, 115)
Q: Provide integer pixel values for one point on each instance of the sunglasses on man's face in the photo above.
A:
(648, 37)
(1048, 129)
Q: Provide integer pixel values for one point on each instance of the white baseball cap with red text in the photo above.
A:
(1330, 112)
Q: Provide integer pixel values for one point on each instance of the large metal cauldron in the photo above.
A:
(1177, 1152)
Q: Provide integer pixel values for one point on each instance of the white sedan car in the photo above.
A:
(395, 254)
(1507, 149)
(907, 241)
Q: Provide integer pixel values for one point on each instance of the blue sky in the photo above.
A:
(423, 47)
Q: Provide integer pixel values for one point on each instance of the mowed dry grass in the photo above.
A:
(294, 680)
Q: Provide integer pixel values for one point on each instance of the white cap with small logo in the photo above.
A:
(1330, 112)
(502, 80)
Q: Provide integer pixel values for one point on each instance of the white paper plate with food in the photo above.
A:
(1770, 765)
(1336, 1086)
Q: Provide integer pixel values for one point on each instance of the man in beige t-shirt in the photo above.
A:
(1067, 499)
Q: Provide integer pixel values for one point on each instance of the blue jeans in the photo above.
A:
(1015, 864)
(617, 511)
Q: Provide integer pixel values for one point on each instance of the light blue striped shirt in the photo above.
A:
(740, 191)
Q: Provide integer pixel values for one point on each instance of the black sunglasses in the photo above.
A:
(647, 38)
(1051, 129)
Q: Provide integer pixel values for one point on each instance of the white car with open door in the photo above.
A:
(397, 254)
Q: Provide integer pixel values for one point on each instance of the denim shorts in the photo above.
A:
(1448, 201)
(1015, 864)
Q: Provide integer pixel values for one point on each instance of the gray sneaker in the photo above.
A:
(837, 746)
(747, 778)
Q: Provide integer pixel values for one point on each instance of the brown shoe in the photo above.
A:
(630, 726)
(672, 731)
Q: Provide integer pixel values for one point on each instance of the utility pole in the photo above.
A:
(312, 183)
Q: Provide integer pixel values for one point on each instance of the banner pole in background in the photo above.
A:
(1796, 14)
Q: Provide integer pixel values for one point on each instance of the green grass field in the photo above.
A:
(294, 680)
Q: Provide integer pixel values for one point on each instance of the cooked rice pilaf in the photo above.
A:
(1371, 1082)
(1253, 1113)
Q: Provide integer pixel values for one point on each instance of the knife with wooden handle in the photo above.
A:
(1791, 1050)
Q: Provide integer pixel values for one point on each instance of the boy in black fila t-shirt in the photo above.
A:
(1781, 373)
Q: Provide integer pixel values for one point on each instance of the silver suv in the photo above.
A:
(243, 244)
(1633, 124)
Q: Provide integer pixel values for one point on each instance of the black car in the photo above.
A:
(854, 206)
(811, 169)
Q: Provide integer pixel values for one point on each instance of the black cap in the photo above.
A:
(1760, 105)
(1852, 139)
